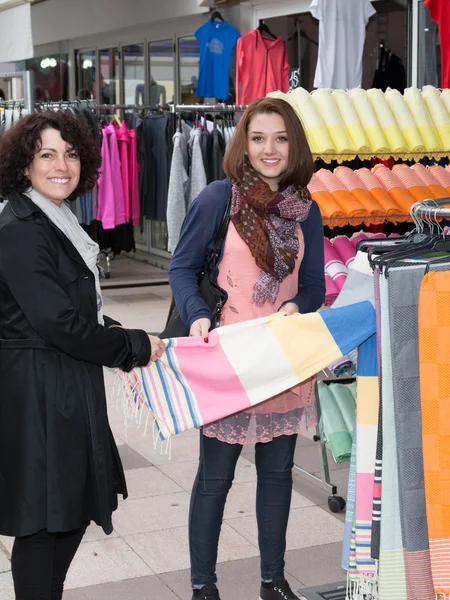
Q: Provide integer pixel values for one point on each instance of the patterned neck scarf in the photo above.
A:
(267, 222)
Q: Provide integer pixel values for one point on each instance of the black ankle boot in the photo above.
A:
(278, 589)
(208, 592)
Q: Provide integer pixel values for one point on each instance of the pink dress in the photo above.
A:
(287, 413)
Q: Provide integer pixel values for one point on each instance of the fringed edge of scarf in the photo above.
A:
(362, 586)
(133, 404)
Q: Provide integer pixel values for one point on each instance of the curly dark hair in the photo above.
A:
(19, 145)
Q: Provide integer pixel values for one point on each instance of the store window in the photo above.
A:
(141, 237)
(12, 87)
(429, 49)
(384, 58)
(189, 59)
(134, 74)
(109, 76)
(50, 77)
(86, 74)
(159, 235)
(162, 72)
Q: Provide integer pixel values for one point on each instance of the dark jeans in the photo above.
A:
(40, 563)
(274, 462)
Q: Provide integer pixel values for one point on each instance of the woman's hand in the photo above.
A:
(158, 348)
(200, 327)
(289, 309)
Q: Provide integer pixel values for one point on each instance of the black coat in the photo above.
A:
(59, 464)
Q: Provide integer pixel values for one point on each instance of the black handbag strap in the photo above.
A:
(216, 250)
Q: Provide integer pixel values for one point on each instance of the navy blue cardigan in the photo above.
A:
(198, 233)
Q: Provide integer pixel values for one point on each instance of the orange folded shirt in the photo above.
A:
(397, 191)
(380, 194)
(411, 182)
(346, 200)
(328, 206)
(427, 179)
(351, 181)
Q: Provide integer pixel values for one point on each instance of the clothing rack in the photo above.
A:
(137, 107)
(93, 106)
(12, 104)
(322, 479)
(50, 104)
(431, 209)
(211, 108)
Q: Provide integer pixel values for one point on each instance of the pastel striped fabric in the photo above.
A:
(350, 508)
(370, 123)
(392, 574)
(396, 189)
(442, 175)
(378, 470)
(372, 196)
(367, 394)
(404, 288)
(340, 125)
(331, 116)
(329, 207)
(386, 119)
(334, 265)
(390, 208)
(356, 186)
(435, 189)
(196, 383)
(344, 249)
(340, 254)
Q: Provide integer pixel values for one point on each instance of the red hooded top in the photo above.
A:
(261, 67)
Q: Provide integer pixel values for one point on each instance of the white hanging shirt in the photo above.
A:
(342, 33)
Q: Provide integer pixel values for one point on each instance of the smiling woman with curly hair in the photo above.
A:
(59, 464)
(20, 144)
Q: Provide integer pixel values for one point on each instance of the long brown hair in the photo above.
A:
(300, 163)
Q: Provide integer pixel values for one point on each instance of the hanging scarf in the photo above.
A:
(66, 221)
(267, 222)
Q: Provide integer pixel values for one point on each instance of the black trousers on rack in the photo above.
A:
(40, 563)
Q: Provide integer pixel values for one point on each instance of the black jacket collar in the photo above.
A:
(22, 206)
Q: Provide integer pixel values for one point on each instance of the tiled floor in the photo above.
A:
(147, 558)
(125, 270)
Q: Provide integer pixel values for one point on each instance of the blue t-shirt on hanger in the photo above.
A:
(216, 40)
